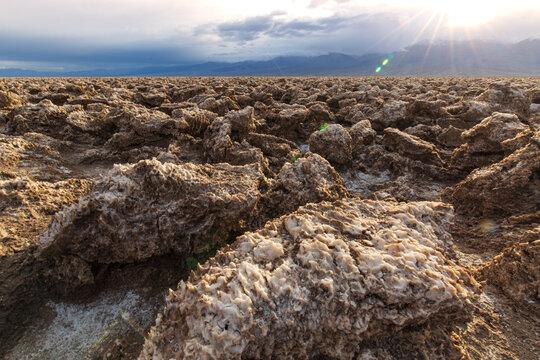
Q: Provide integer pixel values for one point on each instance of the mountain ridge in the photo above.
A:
(444, 58)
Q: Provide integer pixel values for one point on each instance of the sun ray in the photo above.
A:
(397, 29)
(435, 32)
(452, 55)
(472, 45)
(424, 28)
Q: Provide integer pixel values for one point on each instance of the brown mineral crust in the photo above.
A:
(377, 157)
(168, 108)
(392, 114)
(134, 125)
(32, 155)
(277, 151)
(319, 112)
(9, 100)
(26, 207)
(286, 120)
(220, 145)
(317, 282)
(361, 135)
(462, 161)
(516, 271)
(506, 97)
(44, 117)
(91, 123)
(489, 135)
(219, 106)
(217, 140)
(489, 141)
(242, 121)
(196, 119)
(471, 112)
(310, 179)
(272, 145)
(149, 209)
(450, 137)
(509, 187)
(424, 132)
(428, 109)
(152, 98)
(411, 146)
(333, 143)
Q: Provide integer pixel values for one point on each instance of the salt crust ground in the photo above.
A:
(410, 138)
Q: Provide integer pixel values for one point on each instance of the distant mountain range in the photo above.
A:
(449, 58)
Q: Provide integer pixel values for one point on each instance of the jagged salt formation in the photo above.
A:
(316, 282)
(149, 209)
(509, 187)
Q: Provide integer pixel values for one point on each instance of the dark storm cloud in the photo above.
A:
(270, 25)
(247, 29)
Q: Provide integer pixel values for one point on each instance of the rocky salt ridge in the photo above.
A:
(151, 208)
(316, 282)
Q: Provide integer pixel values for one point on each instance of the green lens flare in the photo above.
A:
(378, 69)
(385, 62)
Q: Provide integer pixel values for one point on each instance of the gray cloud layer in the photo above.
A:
(269, 25)
(256, 37)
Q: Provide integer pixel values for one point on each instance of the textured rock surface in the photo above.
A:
(411, 146)
(26, 208)
(392, 114)
(516, 271)
(309, 179)
(489, 141)
(509, 187)
(361, 135)
(9, 100)
(508, 98)
(333, 143)
(491, 134)
(148, 209)
(451, 136)
(316, 282)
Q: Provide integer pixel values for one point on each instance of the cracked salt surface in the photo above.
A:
(77, 327)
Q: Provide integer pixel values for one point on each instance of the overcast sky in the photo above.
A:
(85, 34)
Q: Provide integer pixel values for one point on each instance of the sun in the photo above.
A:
(462, 13)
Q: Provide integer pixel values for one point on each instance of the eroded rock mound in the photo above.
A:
(361, 135)
(508, 97)
(26, 208)
(333, 143)
(316, 282)
(411, 146)
(493, 133)
(516, 271)
(509, 187)
(148, 209)
(9, 100)
(488, 142)
(309, 179)
(392, 114)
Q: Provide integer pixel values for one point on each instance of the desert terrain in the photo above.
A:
(270, 218)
